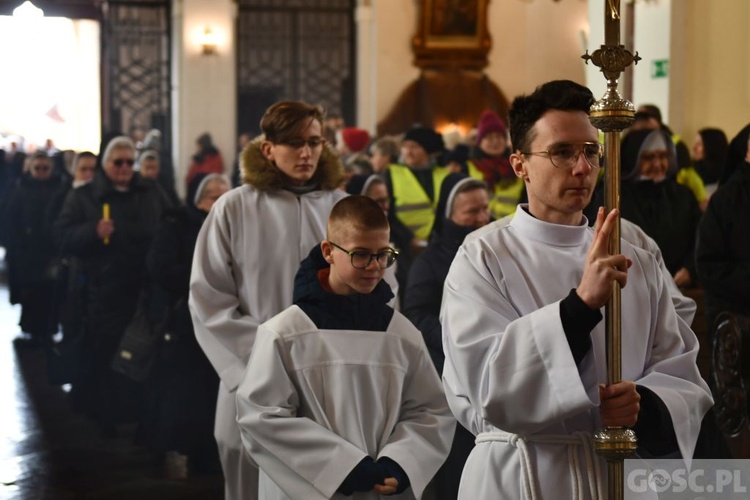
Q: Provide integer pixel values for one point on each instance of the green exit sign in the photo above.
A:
(660, 68)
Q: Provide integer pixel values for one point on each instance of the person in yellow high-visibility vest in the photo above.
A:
(415, 181)
(489, 162)
(413, 187)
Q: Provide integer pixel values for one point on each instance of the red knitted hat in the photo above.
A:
(356, 139)
(490, 122)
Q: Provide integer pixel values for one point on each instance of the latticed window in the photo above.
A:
(295, 49)
(136, 69)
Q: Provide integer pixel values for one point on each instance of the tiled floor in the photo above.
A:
(48, 452)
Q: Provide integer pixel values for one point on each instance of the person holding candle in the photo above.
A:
(108, 224)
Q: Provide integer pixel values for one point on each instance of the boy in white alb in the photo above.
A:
(340, 397)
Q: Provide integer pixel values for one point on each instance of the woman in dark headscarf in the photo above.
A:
(463, 206)
(723, 249)
(31, 253)
(736, 155)
(709, 153)
(183, 389)
(652, 199)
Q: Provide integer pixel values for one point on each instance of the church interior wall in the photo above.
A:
(716, 74)
(204, 88)
(705, 41)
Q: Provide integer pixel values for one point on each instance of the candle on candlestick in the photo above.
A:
(105, 216)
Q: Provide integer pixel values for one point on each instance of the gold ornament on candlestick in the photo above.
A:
(612, 114)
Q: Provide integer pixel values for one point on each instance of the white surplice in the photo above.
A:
(685, 306)
(313, 403)
(247, 254)
(509, 372)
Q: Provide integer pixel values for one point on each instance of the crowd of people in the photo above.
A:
(308, 308)
(86, 247)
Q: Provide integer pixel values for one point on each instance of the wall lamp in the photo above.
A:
(208, 42)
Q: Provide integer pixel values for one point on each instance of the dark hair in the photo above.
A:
(205, 141)
(736, 154)
(526, 110)
(206, 147)
(651, 110)
(287, 120)
(642, 116)
(715, 145)
(83, 154)
(356, 213)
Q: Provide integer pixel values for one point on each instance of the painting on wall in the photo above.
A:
(452, 33)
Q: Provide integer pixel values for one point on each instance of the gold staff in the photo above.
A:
(612, 114)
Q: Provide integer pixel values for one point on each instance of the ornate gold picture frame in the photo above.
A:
(452, 33)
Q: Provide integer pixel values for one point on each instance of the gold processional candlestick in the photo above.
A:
(612, 114)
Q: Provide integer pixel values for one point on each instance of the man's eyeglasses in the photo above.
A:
(299, 143)
(565, 154)
(123, 161)
(361, 259)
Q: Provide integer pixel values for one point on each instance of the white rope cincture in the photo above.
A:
(529, 478)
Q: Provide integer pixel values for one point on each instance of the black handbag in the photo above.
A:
(139, 345)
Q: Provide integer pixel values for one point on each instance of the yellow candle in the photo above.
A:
(105, 216)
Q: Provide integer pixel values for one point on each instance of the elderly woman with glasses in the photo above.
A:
(248, 252)
(109, 224)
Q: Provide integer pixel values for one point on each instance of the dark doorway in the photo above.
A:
(295, 49)
(136, 45)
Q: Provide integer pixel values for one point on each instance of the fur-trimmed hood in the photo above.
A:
(263, 175)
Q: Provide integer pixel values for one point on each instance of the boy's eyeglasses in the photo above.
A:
(299, 143)
(361, 259)
(565, 154)
(120, 162)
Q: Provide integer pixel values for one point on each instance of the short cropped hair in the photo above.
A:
(653, 111)
(83, 154)
(286, 120)
(526, 110)
(356, 214)
(119, 142)
(78, 157)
